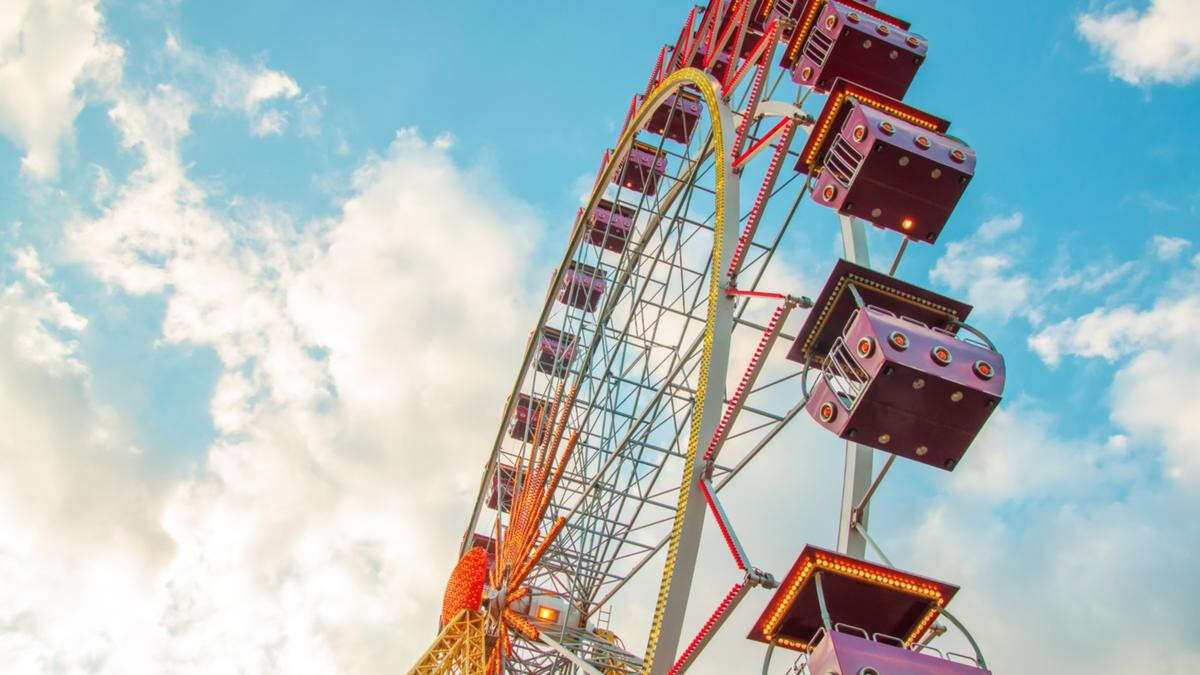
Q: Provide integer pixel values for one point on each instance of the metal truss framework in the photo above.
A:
(458, 649)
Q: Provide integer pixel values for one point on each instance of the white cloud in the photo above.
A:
(1160, 43)
(1166, 247)
(1061, 576)
(34, 318)
(1120, 331)
(50, 51)
(1000, 226)
(267, 97)
(356, 354)
(250, 90)
(270, 123)
(988, 272)
(79, 537)
(1153, 393)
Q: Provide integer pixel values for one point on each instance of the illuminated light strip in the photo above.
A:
(853, 93)
(735, 548)
(735, 21)
(760, 56)
(752, 101)
(516, 595)
(558, 471)
(923, 624)
(633, 106)
(715, 620)
(600, 174)
(683, 48)
(760, 201)
(521, 624)
(870, 574)
(800, 34)
(707, 29)
(656, 74)
(755, 294)
(540, 550)
(761, 143)
(551, 447)
(743, 388)
(493, 662)
(810, 17)
(781, 603)
(701, 82)
(823, 315)
(766, 10)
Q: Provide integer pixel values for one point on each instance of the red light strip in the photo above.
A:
(709, 627)
(760, 57)
(633, 107)
(760, 143)
(755, 88)
(683, 47)
(735, 549)
(656, 74)
(603, 163)
(742, 390)
(735, 21)
(767, 185)
(755, 294)
(708, 29)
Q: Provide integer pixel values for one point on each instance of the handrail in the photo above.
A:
(976, 332)
(842, 628)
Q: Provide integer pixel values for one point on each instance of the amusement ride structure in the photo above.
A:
(660, 366)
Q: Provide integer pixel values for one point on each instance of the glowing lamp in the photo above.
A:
(547, 614)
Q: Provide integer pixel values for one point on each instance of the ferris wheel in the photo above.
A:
(663, 362)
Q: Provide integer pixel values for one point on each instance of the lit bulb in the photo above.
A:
(907, 223)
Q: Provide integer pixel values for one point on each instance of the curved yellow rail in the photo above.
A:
(719, 116)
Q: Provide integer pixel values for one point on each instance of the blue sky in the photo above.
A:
(264, 266)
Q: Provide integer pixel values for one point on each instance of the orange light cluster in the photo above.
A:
(869, 573)
(522, 543)
(800, 35)
(464, 590)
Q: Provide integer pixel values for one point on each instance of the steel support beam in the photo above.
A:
(856, 479)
